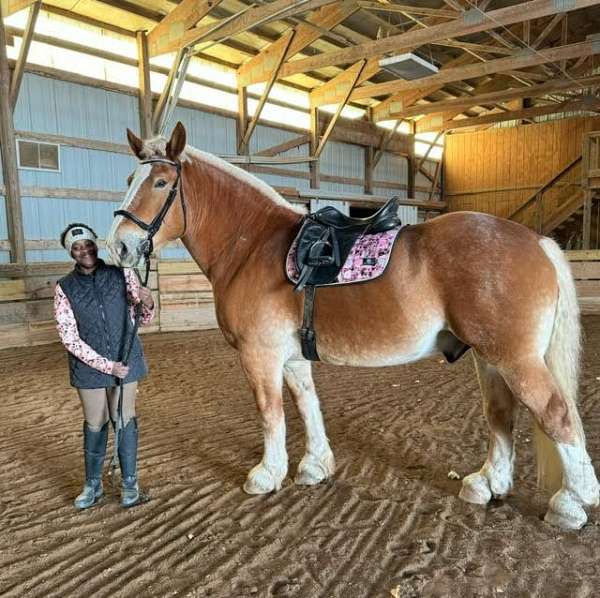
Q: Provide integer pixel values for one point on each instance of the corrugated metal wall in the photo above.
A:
(48, 105)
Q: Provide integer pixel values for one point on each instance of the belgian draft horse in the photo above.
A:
(463, 277)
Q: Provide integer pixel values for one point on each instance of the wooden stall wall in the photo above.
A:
(496, 170)
(182, 294)
(183, 297)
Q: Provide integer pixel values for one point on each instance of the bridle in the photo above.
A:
(151, 229)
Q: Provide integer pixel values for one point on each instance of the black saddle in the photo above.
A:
(327, 236)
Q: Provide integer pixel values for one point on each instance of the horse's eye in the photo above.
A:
(160, 183)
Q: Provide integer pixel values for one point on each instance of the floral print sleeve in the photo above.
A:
(133, 297)
(69, 334)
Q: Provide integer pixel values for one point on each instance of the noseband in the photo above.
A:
(152, 228)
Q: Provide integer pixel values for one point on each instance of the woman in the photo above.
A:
(94, 310)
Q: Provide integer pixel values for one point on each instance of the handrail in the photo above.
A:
(545, 187)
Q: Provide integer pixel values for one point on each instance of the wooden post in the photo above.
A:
(539, 213)
(14, 216)
(19, 69)
(314, 144)
(585, 185)
(410, 183)
(242, 120)
(145, 93)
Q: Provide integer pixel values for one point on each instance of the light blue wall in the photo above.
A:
(56, 107)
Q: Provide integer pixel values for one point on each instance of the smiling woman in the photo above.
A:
(93, 309)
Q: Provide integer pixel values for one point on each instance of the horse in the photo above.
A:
(466, 278)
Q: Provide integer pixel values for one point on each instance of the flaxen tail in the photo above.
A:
(563, 359)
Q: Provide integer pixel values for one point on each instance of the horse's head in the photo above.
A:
(153, 211)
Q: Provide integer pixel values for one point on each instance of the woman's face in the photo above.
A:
(85, 253)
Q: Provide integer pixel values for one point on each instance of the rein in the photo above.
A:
(147, 247)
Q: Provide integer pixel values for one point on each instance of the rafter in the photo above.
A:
(524, 60)
(257, 69)
(415, 10)
(470, 22)
(488, 119)
(463, 103)
(11, 6)
(179, 20)
(245, 20)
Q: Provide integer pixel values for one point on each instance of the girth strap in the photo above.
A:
(308, 338)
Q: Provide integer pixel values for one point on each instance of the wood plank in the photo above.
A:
(184, 282)
(470, 22)
(588, 288)
(172, 27)
(583, 255)
(257, 69)
(177, 267)
(245, 20)
(11, 290)
(481, 99)
(488, 119)
(586, 270)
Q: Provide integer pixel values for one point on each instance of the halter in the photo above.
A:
(151, 229)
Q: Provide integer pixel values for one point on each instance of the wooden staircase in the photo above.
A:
(566, 201)
(557, 200)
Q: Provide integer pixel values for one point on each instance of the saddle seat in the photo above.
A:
(327, 236)
(384, 219)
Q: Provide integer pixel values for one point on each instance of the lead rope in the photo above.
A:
(126, 354)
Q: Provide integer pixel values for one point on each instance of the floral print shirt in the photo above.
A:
(67, 325)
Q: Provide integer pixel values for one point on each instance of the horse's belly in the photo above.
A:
(381, 350)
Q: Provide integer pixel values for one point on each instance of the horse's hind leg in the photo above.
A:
(532, 383)
(495, 478)
(318, 463)
(264, 373)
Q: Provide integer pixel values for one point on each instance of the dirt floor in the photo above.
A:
(389, 523)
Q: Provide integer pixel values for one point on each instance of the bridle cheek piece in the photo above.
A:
(151, 229)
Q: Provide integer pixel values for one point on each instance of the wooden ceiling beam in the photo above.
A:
(177, 22)
(471, 21)
(489, 119)
(415, 10)
(257, 69)
(9, 7)
(499, 96)
(245, 20)
(525, 59)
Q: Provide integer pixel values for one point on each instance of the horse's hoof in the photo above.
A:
(313, 470)
(262, 481)
(476, 489)
(565, 512)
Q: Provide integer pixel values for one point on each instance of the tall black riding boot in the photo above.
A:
(94, 449)
(130, 492)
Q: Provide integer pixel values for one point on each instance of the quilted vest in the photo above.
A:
(99, 303)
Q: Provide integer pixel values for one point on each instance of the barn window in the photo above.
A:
(38, 156)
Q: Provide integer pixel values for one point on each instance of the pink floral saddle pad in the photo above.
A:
(368, 258)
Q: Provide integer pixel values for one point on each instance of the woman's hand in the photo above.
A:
(119, 370)
(146, 297)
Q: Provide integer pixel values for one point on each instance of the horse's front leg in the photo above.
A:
(264, 372)
(318, 463)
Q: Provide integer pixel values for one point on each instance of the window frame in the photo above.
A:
(39, 143)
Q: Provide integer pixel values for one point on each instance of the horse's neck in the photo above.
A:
(229, 220)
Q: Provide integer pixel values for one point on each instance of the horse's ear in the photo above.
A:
(135, 143)
(177, 142)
